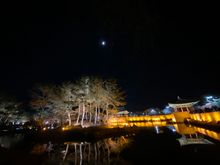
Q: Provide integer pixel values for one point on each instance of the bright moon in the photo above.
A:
(103, 43)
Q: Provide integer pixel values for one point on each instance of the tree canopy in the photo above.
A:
(88, 101)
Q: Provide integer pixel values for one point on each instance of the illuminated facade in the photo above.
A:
(182, 110)
(141, 121)
(206, 117)
(183, 105)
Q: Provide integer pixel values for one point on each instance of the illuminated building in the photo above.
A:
(182, 105)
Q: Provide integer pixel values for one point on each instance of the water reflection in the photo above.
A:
(101, 152)
(154, 141)
(193, 135)
(10, 141)
(211, 134)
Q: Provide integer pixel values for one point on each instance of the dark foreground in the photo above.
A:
(116, 146)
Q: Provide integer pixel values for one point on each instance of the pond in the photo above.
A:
(171, 144)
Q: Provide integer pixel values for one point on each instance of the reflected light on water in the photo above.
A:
(193, 135)
(100, 152)
(209, 133)
(110, 150)
(183, 129)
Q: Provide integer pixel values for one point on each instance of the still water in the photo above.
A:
(172, 144)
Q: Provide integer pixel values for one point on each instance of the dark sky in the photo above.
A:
(156, 50)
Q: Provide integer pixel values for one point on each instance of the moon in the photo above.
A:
(103, 43)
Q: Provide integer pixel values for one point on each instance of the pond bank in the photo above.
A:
(85, 134)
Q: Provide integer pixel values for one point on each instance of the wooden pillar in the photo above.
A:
(181, 109)
(187, 109)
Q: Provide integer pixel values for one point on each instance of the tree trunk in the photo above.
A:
(95, 121)
(69, 118)
(86, 115)
(75, 149)
(66, 151)
(90, 114)
(89, 153)
(98, 151)
(95, 152)
(83, 113)
(77, 121)
(98, 118)
(106, 113)
(80, 152)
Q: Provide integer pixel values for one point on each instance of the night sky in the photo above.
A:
(156, 50)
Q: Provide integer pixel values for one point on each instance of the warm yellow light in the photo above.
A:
(209, 133)
(207, 117)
